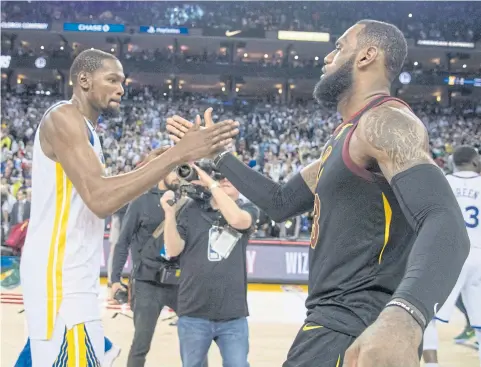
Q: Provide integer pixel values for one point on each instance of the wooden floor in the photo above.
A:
(269, 339)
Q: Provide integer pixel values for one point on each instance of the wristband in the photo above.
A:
(219, 157)
(409, 308)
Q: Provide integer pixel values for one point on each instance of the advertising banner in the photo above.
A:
(267, 262)
(457, 80)
(436, 43)
(85, 27)
(303, 36)
(163, 30)
(234, 33)
(25, 26)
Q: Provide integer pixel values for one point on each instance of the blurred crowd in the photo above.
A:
(419, 20)
(277, 140)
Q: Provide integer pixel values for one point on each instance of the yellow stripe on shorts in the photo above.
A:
(76, 349)
(57, 247)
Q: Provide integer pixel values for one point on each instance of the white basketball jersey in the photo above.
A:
(61, 257)
(467, 189)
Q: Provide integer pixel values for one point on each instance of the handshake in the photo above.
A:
(194, 141)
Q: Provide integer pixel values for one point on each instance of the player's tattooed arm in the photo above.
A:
(398, 141)
(395, 138)
(310, 173)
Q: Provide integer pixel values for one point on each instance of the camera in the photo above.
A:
(188, 173)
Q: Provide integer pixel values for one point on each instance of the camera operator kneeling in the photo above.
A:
(152, 286)
(211, 239)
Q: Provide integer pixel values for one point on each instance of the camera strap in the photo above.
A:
(178, 209)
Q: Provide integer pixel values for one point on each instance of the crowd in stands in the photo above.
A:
(419, 20)
(277, 140)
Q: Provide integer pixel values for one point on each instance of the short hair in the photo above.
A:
(464, 154)
(388, 38)
(88, 61)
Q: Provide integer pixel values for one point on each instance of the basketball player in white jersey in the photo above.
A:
(71, 196)
(466, 184)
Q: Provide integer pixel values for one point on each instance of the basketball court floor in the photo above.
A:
(277, 312)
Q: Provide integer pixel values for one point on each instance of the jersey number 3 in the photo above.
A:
(473, 220)
(315, 221)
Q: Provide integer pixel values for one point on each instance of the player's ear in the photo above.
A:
(84, 80)
(367, 56)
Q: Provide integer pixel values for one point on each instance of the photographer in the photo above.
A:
(149, 294)
(211, 238)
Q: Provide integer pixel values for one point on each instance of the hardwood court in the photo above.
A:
(276, 317)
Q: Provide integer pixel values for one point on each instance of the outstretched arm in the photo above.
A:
(64, 139)
(398, 141)
(280, 202)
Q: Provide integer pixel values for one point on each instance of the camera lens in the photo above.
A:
(186, 172)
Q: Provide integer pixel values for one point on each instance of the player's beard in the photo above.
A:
(173, 186)
(331, 87)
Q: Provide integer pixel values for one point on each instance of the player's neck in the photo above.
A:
(357, 98)
(469, 168)
(86, 109)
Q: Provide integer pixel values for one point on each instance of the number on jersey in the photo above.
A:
(473, 217)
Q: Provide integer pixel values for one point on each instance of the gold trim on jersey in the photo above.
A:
(57, 247)
(387, 221)
(339, 134)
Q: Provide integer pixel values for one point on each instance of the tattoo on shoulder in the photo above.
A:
(398, 137)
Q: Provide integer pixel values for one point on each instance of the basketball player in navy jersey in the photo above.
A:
(388, 239)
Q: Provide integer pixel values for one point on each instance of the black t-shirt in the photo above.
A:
(211, 289)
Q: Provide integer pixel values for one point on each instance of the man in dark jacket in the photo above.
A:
(142, 218)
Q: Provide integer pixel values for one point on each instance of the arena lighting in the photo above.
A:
(303, 36)
(237, 90)
(464, 66)
(245, 54)
(296, 57)
(41, 47)
(40, 62)
(61, 48)
(223, 89)
(316, 58)
(266, 56)
(112, 49)
(415, 63)
(410, 15)
(405, 78)
(437, 43)
(5, 61)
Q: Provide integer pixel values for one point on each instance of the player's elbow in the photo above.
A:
(99, 211)
(450, 221)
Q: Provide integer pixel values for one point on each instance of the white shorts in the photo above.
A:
(81, 346)
(469, 287)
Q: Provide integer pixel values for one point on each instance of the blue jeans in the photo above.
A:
(196, 335)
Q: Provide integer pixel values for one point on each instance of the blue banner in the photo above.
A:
(85, 27)
(163, 30)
